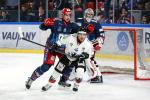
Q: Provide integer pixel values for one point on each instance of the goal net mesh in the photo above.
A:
(125, 51)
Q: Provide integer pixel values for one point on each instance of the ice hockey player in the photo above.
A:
(59, 29)
(96, 36)
(78, 49)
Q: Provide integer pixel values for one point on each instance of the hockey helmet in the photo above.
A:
(66, 11)
(82, 31)
(88, 11)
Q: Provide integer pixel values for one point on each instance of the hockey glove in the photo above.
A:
(49, 22)
(54, 47)
(96, 45)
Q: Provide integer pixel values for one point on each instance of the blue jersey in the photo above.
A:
(98, 31)
(59, 28)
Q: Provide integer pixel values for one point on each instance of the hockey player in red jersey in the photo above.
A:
(96, 36)
(78, 49)
(59, 29)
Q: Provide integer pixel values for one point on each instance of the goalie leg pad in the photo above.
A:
(97, 79)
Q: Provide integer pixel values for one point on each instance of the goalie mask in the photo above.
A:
(88, 14)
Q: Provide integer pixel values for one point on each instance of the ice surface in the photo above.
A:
(16, 68)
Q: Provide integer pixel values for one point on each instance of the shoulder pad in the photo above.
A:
(93, 20)
(57, 19)
(79, 19)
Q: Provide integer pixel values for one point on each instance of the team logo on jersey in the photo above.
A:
(76, 49)
(59, 29)
(71, 44)
(64, 30)
(83, 49)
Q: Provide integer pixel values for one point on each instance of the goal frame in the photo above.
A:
(135, 55)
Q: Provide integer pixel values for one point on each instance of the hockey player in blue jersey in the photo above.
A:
(59, 29)
(96, 36)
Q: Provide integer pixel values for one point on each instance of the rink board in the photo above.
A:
(10, 42)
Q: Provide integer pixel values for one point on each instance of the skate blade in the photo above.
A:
(63, 88)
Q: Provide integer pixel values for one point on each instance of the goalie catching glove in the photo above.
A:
(97, 46)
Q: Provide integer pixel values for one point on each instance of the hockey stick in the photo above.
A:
(23, 38)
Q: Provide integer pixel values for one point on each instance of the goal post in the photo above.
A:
(136, 49)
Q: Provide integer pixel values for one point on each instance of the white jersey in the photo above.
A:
(73, 47)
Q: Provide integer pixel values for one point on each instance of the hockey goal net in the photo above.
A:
(128, 51)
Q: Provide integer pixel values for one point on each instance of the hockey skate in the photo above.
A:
(75, 87)
(64, 84)
(28, 83)
(46, 87)
(97, 79)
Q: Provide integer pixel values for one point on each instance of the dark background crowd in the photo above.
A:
(106, 11)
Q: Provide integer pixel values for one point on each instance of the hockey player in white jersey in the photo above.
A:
(97, 36)
(78, 49)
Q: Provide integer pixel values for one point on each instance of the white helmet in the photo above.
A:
(88, 11)
(81, 31)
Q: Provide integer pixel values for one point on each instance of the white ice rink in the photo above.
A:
(16, 68)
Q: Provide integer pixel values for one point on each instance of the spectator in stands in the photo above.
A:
(12, 4)
(79, 5)
(107, 5)
(125, 17)
(90, 5)
(41, 14)
(23, 13)
(144, 20)
(62, 4)
(50, 5)
(2, 3)
(147, 5)
(4, 17)
(31, 14)
(78, 12)
(101, 18)
(140, 5)
(110, 19)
